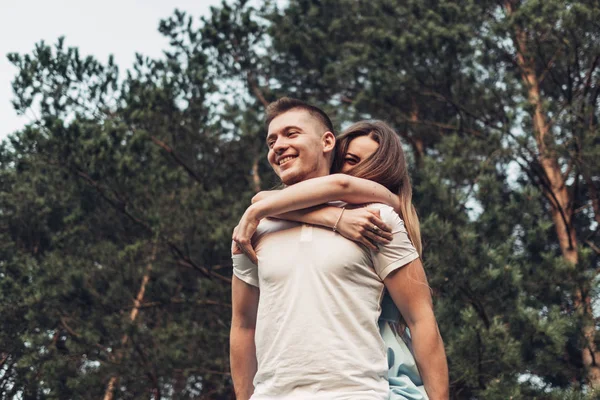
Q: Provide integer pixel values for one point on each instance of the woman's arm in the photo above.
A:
(410, 291)
(363, 225)
(306, 194)
(321, 190)
(263, 195)
(355, 224)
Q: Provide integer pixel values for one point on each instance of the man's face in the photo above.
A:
(298, 147)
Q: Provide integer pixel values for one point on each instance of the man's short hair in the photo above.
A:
(286, 104)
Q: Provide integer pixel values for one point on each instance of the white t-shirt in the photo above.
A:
(316, 331)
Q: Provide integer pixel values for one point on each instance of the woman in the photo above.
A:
(370, 159)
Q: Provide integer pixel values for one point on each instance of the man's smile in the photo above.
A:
(285, 160)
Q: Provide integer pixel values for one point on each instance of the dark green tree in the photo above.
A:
(117, 203)
(458, 80)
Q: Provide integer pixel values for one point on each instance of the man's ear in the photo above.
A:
(328, 140)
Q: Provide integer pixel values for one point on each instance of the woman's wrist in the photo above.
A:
(335, 226)
(255, 212)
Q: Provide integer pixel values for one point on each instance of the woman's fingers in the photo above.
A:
(375, 225)
(248, 250)
(367, 242)
(365, 227)
(378, 231)
(235, 249)
(376, 238)
(243, 245)
(377, 221)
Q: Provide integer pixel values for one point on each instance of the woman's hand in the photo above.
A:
(243, 232)
(263, 195)
(364, 225)
(235, 249)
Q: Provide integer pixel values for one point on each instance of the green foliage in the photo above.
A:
(144, 177)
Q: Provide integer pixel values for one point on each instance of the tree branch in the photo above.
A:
(256, 89)
(177, 159)
(153, 304)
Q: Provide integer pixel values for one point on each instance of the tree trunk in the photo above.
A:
(256, 181)
(114, 380)
(418, 145)
(593, 193)
(110, 388)
(555, 190)
(415, 140)
(258, 93)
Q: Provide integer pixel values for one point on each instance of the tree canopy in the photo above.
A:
(118, 202)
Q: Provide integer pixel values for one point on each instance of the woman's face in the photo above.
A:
(359, 149)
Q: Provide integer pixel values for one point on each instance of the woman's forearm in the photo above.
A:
(321, 190)
(263, 195)
(319, 215)
(431, 358)
(315, 192)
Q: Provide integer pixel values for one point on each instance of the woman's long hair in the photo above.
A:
(386, 166)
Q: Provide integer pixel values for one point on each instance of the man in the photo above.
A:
(312, 332)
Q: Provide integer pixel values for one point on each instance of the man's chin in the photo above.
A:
(290, 178)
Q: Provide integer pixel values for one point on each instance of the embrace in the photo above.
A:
(310, 281)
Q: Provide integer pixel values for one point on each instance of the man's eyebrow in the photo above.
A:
(284, 130)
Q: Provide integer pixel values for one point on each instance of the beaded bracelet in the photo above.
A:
(338, 220)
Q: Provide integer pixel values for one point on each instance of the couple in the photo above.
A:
(306, 300)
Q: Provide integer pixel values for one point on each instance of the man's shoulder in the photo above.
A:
(272, 225)
(387, 213)
(381, 206)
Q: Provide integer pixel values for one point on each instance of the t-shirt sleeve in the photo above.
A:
(400, 251)
(245, 269)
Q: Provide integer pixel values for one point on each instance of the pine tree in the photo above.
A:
(117, 203)
(453, 79)
(122, 197)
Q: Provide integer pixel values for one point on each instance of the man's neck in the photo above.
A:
(316, 175)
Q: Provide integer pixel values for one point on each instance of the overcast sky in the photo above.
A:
(98, 28)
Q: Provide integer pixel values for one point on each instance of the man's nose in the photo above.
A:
(280, 145)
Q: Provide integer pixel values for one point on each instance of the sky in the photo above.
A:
(121, 28)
